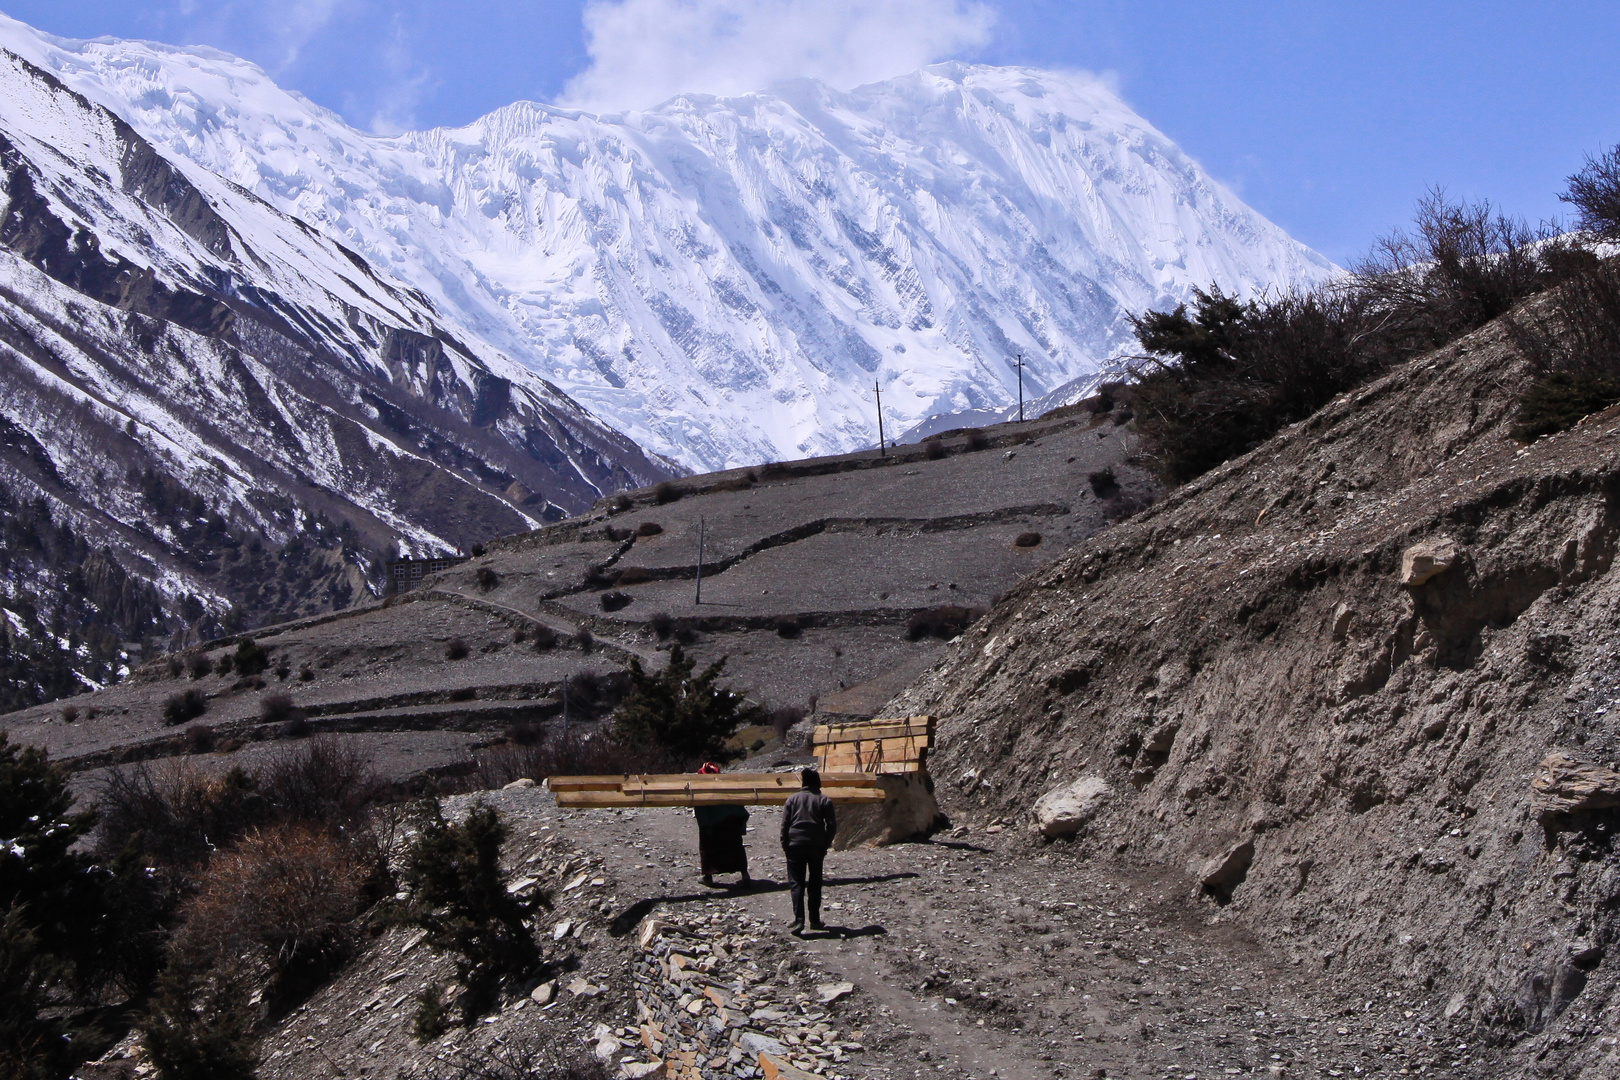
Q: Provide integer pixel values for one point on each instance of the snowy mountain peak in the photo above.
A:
(723, 279)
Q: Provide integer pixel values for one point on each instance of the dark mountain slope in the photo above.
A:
(234, 409)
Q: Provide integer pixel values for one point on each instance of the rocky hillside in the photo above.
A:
(239, 412)
(1319, 686)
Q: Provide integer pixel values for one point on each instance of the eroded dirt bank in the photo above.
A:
(1340, 761)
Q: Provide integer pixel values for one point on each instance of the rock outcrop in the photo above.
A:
(1064, 811)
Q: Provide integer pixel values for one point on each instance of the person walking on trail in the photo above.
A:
(808, 827)
(720, 838)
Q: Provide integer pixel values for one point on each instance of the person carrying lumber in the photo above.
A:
(720, 838)
(809, 824)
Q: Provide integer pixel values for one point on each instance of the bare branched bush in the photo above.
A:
(1595, 194)
(455, 649)
(976, 439)
(666, 493)
(1574, 348)
(284, 895)
(1220, 379)
(487, 578)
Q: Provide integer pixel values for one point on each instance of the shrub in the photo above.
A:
(662, 624)
(199, 1026)
(174, 815)
(976, 439)
(199, 665)
(184, 706)
(649, 528)
(487, 578)
(633, 575)
(279, 709)
(945, 622)
(619, 503)
(464, 693)
(69, 714)
(1027, 540)
(432, 1016)
(934, 448)
(1103, 482)
(199, 739)
(567, 753)
(458, 894)
(600, 577)
(524, 733)
(283, 669)
(306, 673)
(615, 601)
(225, 664)
(585, 639)
(666, 493)
(476, 551)
(455, 649)
(686, 713)
(617, 535)
(284, 895)
(1595, 194)
(250, 658)
(174, 665)
(788, 626)
(1574, 351)
(775, 470)
(1222, 378)
(545, 638)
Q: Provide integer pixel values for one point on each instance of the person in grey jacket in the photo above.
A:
(809, 824)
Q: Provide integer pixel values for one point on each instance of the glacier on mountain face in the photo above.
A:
(724, 280)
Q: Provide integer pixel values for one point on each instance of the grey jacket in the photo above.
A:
(808, 821)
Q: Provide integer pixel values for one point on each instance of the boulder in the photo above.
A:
(1420, 562)
(909, 811)
(1065, 811)
(1564, 785)
(1220, 875)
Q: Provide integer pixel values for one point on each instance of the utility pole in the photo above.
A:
(878, 390)
(699, 598)
(1020, 388)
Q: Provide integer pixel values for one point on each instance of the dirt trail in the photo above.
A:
(980, 955)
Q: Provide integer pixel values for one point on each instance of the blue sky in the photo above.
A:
(1330, 118)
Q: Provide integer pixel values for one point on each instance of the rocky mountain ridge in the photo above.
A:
(243, 413)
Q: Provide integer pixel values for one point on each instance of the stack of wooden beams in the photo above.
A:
(875, 746)
(705, 789)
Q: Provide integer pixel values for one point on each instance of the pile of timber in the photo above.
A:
(875, 746)
(705, 789)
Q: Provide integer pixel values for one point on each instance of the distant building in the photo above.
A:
(406, 574)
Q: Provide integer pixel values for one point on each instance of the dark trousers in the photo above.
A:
(804, 871)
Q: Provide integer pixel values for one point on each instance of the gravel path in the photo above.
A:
(980, 955)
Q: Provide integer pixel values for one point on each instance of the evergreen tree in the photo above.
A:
(687, 714)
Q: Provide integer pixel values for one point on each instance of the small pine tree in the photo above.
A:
(687, 714)
(199, 1026)
(457, 893)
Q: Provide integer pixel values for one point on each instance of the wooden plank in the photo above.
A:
(613, 783)
(873, 730)
(887, 749)
(583, 800)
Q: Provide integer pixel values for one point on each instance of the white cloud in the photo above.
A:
(404, 86)
(647, 51)
(273, 32)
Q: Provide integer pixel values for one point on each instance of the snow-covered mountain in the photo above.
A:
(229, 404)
(723, 280)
